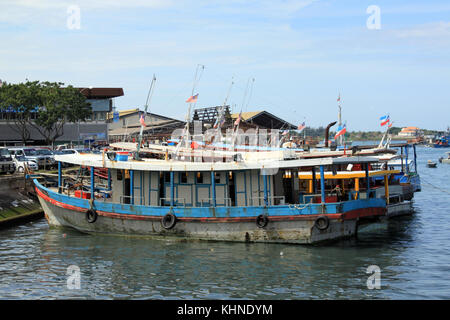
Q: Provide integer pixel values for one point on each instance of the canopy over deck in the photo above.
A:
(101, 160)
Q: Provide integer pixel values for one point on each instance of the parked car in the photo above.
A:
(22, 161)
(6, 161)
(49, 157)
(30, 154)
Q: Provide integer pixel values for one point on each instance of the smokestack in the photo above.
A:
(327, 129)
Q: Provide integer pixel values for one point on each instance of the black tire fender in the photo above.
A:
(169, 221)
(262, 221)
(322, 223)
(91, 215)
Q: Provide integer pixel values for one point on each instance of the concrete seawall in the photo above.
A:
(18, 203)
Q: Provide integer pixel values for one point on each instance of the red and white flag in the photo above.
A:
(141, 120)
(238, 119)
(339, 98)
(302, 126)
(192, 99)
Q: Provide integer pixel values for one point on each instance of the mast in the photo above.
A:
(185, 137)
(339, 117)
(149, 95)
(221, 113)
(243, 105)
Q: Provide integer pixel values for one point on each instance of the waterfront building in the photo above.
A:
(126, 125)
(94, 129)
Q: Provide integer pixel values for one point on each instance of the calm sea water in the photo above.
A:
(413, 254)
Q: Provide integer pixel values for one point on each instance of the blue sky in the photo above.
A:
(300, 53)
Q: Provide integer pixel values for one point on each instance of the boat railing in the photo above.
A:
(220, 202)
(66, 190)
(165, 202)
(273, 201)
(137, 200)
(395, 198)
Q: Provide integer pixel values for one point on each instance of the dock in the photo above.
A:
(18, 204)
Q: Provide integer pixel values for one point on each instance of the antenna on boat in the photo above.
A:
(236, 126)
(197, 77)
(388, 141)
(221, 113)
(340, 117)
(142, 119)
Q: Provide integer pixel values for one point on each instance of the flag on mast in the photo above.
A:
(141, 120)
(339, 97)
(302, 126)
(192, 99)
(384, 120)
(340, 131)
(238, 119)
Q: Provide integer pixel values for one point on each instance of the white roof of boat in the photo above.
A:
(97, 160)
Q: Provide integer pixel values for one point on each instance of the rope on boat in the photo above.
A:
(298, 207)
(432, 185)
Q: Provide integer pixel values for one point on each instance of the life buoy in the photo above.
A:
(262, 221)
(91, 215)
(169, 221)
(322, 223)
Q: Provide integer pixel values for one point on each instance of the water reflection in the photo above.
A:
(410, 251)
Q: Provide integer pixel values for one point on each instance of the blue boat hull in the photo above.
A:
(286, 223)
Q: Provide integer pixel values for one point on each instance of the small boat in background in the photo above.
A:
(446, 159)
(431, 164)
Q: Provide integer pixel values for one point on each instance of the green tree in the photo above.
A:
(19, 103)
(59, 105)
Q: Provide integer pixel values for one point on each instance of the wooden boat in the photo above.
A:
(446, 159)
(240, 200)
(431, 164)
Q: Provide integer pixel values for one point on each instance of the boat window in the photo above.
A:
(166, 176)
(119, 175)
(200, 177)
(183, 177)
(217, 177)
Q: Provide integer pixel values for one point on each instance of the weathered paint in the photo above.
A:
(287, 223)
(92, 183)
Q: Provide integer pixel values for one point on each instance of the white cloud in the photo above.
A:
(429, 30)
